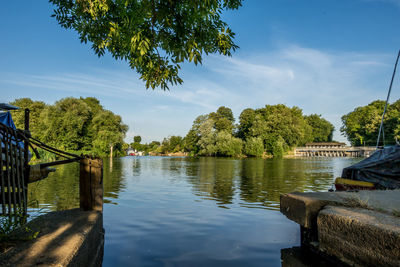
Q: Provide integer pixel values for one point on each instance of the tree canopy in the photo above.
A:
(73, 124)
(361, 126)
(322, 130)
(273, 129)
(137, 139)
(153, 36)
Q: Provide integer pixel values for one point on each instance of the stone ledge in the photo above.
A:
(303, 208)
(359, 237)
(66, 238)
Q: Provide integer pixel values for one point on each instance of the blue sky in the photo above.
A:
(324, 56)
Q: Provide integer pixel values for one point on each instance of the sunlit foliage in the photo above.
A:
(361, 126)
(154, 36)
(73, 124)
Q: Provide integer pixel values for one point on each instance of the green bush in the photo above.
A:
(254, 147)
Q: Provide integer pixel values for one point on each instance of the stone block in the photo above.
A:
(359, 237)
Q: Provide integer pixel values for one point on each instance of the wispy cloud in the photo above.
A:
(323, 82)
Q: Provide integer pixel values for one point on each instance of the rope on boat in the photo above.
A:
(387, 101)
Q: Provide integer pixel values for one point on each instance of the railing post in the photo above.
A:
(91, 184)
(26, 159)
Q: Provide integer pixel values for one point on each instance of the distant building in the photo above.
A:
(130, 152)
(133, 152)
(325, 145)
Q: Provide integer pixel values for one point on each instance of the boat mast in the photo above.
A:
(387, 101)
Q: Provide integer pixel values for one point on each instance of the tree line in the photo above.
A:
(272, 130)
(276, 129)
(82, 125)
(79, 125)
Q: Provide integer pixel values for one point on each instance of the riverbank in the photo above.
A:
(359, 229)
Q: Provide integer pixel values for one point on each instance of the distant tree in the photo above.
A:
(67, 125)
(246, 120)
(223, 119)
(108, 130)
(175, 143)
(154, 37)
(154, 143)
(279, 147)
(207, 138)
(137, 139)
(74, 124)
(275, 122)
(273, 129)
(227, 145)
(254, 147)
(392, 123)
(191, 142)
(36, 108)
(322, 130)
(361, 126)
(172, 144)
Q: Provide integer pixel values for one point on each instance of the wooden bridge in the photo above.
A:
(329, 150)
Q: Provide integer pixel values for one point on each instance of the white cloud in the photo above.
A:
(327, 83)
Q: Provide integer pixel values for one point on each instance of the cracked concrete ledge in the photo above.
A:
(66, 238)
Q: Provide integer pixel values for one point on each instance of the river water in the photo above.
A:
(166, 211)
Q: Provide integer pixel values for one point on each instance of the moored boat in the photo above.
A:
(380, 171)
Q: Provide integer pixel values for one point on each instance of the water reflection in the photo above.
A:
(59, 191)
(193, 212)
(259, 182)
(247, 182)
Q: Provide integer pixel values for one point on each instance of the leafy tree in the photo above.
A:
(246, 120)
(223, 119)
(361, 126)
(322, 130)
(93, 104)
(36, 108)
(274, 129)
(176, 143)
(392, 123)
(154, 36)
(190, 142)
(172, 144)
(154, 144)
(74, 124)
(137, 139)
(274, 122)
(227, 145)
(279, 147)
(108, 130)
(254, 147)
(67, 124)
(207, 138)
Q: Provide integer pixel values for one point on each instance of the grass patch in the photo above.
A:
(357, 202)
